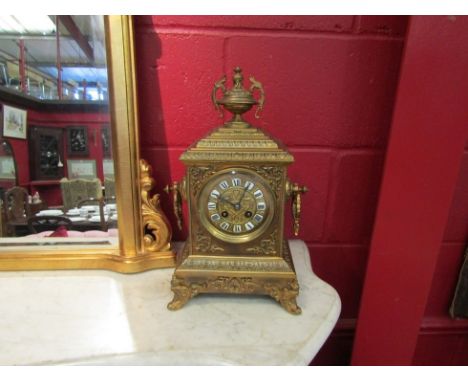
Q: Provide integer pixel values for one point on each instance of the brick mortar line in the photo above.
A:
(352, 245)
(243, 32)
(318, 244)
(356, 24)
(341, 245)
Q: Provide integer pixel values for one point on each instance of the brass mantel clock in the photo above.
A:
(236, 187)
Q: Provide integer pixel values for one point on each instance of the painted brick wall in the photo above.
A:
(330, 84)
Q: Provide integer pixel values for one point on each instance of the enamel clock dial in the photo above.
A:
(236, 205)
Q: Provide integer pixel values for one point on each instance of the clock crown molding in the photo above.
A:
(243, 145)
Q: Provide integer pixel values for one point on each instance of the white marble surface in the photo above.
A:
(105, 318)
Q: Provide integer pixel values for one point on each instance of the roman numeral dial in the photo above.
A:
(236, 203)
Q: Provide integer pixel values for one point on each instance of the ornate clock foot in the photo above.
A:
(291, 306)
(178, 301)
(182, 293)
(286, 296)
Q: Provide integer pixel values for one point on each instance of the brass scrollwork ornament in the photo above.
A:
(177, 192)
(220, 84)
(294, 191)
(261, 100)
(157, 232)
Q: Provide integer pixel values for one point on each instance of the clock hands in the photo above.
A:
(223, 199)
(238, 204)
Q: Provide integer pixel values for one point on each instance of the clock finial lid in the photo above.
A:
(238, 100)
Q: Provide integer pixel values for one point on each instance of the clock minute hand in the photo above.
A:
(238, 204)
(227, 201)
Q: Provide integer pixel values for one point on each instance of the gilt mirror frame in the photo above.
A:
(144, 232)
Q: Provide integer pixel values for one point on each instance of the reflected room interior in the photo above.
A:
(56, 165)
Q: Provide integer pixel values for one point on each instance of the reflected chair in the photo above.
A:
(16, 208)
(76, 190)
(109, 189)
(47, 223)
(100, 204)
(3, 232)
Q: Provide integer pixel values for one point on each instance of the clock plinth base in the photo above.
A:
(236, 275)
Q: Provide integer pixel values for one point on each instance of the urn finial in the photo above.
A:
(238, 100)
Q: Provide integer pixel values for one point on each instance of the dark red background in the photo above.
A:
(330, 85)
(51, 194)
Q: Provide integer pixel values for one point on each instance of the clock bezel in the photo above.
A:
(236, 238)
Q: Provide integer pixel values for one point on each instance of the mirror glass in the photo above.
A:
(56, 165)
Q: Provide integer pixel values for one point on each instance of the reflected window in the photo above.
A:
(54, 57)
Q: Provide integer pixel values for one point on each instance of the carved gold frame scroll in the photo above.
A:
(144, 232)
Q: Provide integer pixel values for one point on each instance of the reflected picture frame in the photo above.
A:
(81, 169)
(7, 168)
(106, 142)
(14, 122)
(77, 141)
(108, 168)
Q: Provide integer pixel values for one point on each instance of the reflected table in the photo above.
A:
(105, 318)
(21, 228)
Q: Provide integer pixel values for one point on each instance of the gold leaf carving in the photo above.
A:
(183, 291)
(287, 254)
(230, 265)
(232, 284)
(285, 291)
(156, 227)
(239, 144)
(274, 176)
(237, 156)
(198, 175)
(267, 246)
(285, 295)
(204, 243)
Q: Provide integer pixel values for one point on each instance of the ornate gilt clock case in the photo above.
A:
(236, 187)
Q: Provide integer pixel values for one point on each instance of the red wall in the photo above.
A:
(330, 86)
(94, 121)
(422, 166)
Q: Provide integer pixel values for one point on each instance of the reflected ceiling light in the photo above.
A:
(34, 24)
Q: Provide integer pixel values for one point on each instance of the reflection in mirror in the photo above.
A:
(7, 175)
(54, 57)
(56, 165)
(7, 166)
